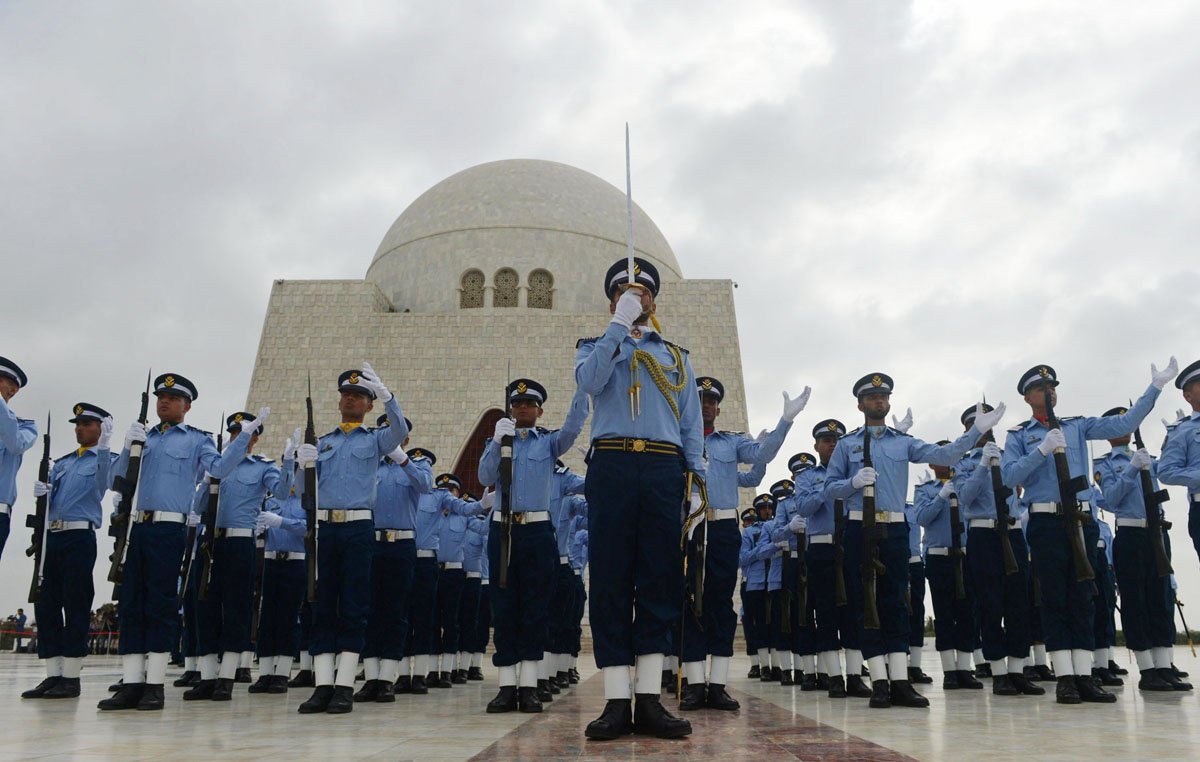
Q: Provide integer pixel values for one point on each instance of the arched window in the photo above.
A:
(506, 288)
(541, 290)
(471, 293)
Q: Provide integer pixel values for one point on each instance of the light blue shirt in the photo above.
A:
(475, 544)
(1120, 486)
(431, 508)
(573, 507)
(452, 533)
(16, 436)
(811, 502)
(242, 492)
(78, 483)
(564, 484)
(914, 532)
(754, 571)
(1180, 459)
(399, 491)
(174, 460)
(973, 483)
(347, 462)
(289, 537)
(933, 513)
(725, 449)
(770, 554)
(602, 369)
(579, 543)
(1106, 537)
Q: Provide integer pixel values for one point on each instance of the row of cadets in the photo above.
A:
(579, 558)
(916, 595)
(754, 586)
(789, 526)
(283, 591)
(474, 611)
(17, 435)
(565, 487)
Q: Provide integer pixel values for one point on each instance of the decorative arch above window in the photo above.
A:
(506, 281)
(541, 290)
(471, 293)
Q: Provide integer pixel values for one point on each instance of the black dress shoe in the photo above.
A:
(693, 698)
(1117, 669)
(837, 687)
(881, 694)
(1026, 686)
(903, 694)
(572, 675)
(563, 680)
(1176, 684)
(917, 677)
(765, 675)
(369, 691)
(950, 680)
(403, 685)
(505, 701)
(785, 677)
(261, 685)
(543, 691)
(242, 675)
(116, 686)
(552, 684)
(823, 681)
(651, 718)
(126, 698)
(1067, 692)
(342, 701)
(67, 687)
(1044, 673)
(719, 698)
(223, 690)
(458, 677)
(808, 682)
(776, 674)
(418, 686)
(1151, 680)
(202, 691)
(176, 661)
(983, 670)
(615, 721)
(443, 680)
(967, 680)
(40, 689)
(753, 673)
(278, 684)
(856, 687)
(303, 679)
(529, 700)
(1106, 678)
(152, 698)
(475, 673)
(387, 693)
(187, 679)
(1091, 692)
(318, 701)
(1178, 672)
(1002, 685)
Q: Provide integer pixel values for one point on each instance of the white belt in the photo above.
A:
(484, 582)
(1139, 523)
(5, 508)
(820, 539)
(1099, 543)
(284, 555)
(1055, 507)
(982, 524)
(524, 517)
(578, 572)
(564, 560)
(394, 535)
(938, 551)
(881, 517)
(67, 526)
(339, 516)
(426, 554)
(795, 554)
(234, 532)
(474, 575)
(157, 517)
(914, 559)
(452, 564)
(721, 514)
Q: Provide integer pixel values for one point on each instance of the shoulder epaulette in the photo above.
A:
(205, 433)
(261, 459)
(731, 433)
(673, 344)
(898, 432)
(855, 431)
(561, 469)
(1070, 418)
(1018, 427)
(544, 430)
(65, 455)
(588, 340)
(26, 420)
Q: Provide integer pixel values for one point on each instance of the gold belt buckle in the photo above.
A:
(337, 516)
(56, 524)
(881, 517)
(639, 445)
(711, 514)
(389, 535)
(518, 518)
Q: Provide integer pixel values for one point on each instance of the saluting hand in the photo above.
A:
(370, 379)
(792, 407)
(106, 429)
(1160, 378)
(986, 421)
(628, 308)
(289, 447)
(905, 423)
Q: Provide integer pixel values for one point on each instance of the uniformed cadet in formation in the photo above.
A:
(754, 586)
(403, 476)
(452, 578)
(796, 645)
(174, 459)
(283, 589)
(916, 595)
(473, 605)
(885, 649)
(579, 560)
(646, 434)
(17, 435)
(1180, 460)
(565, 487)
(771, 554)
(520, 608)
(1105, 621)
(1067, 607)
(77, 484)
(713, 637)
(347, 460)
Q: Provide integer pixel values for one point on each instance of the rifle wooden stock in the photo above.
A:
(309, 502)
(121, 528)
(956, 550)
(38, 521)
(1155, 523)
(1068, 493)
(839, 553)
(1004, 519)
(871, 565)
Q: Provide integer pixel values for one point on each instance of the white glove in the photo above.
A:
(628, 309)
(792, 407)
(1054, 440)
(289, 448)
(693, 506)
(267, 520)
(1163, 377)
(905, 423)
(505, 427)
(1140, 459)
(305, 454)
(926, 476)
(1180, 414)
(488, 499)
(43, 488)
(987, 421)
(796, 525)
(256, 425)
(864, 477)
(783, 545)
(106, 427)
(193, 519)
(946, 491)
(991, 451)
(136, 433)
(370, 379)
(116, 502)
(399, 455)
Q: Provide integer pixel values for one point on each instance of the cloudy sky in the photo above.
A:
(947, 191)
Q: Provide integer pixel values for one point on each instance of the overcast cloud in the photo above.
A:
(949, 192)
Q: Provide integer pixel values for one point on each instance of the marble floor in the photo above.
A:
(782, 723)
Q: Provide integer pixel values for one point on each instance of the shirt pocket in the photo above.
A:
(178, 452)
(249, 477)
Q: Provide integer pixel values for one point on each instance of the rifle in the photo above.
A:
(839, 553)
(506, 521)
(1068, 492)
(695, 551)
(1004, 519)
(871, 565)
(1155, 523)
(1186, 632)
(39, 522)
(786, 589)
(309, 501)
(802, 581)
(956, 549)
(121, 528)
(260, 566)
(209, 548)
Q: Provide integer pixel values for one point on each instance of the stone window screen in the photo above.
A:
(541, 290)
(506, 288)
(471, 294)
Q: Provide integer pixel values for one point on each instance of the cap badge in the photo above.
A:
(169, 381)
(876, 380)
(78, 409)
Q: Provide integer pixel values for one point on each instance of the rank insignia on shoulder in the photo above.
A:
(588, 340)
(673, 344)
(1018, 427)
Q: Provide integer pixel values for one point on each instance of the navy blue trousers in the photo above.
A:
(890, 587)
(829, 619)
(149, 597)
(1193, 527)
(449, 594)
(306, 618)
(521, 612)
(189, 634)
(64, 610)
(468, 615)
(634, 506)
(714, 636)
(343, 586)
(1147, 616)
(1002, 599)
(561, 608)
(225, 617)
(916, 599)
(422, 609)
(754, 605)
(1068, 610)
(284, 584)
(954, 626)
(580, 601)
(392, 569)
(483, 621)
(5, 522)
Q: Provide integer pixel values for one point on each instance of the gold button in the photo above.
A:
(639, 445)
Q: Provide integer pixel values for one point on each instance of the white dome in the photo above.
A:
(523, 214)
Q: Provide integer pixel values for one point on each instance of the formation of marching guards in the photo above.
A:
(352, 554)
